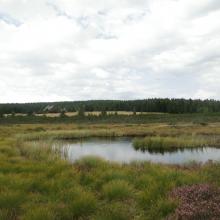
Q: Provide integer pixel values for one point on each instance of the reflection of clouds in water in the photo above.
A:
(121, 150)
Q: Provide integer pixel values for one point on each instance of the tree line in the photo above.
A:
(146, 105)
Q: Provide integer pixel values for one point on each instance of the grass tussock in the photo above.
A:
(38, 151)
(117, 190)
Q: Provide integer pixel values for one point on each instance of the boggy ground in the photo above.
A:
(36, 184)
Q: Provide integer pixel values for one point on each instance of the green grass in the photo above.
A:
(66, 135)
(157, 143)
(35, 183)
(117, 190)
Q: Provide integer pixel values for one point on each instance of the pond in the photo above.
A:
(121, 150)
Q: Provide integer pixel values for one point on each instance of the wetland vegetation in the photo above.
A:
(174, 143)
(37, 183)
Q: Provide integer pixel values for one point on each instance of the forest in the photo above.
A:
(145, 105)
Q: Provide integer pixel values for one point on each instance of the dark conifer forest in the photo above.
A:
(176, 106)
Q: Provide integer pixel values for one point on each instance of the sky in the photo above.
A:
(64, 50)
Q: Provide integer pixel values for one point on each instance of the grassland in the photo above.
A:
(36, 184)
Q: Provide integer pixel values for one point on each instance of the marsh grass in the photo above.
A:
(39, 150)
(118, 210)
(39, 213)
(83, 205)
(71, 132)
(66, 135)
(174, 143)
(117, 190)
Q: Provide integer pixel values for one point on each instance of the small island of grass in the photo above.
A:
(155, 143)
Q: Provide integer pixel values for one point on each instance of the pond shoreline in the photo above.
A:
(121, 150)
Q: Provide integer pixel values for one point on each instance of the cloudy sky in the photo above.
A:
(53, 50)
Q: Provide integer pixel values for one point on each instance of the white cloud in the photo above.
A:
(72, 50)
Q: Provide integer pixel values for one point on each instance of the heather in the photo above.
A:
(199, 201)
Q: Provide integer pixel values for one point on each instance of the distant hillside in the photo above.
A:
(146, 105)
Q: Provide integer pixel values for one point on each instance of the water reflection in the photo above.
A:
(121, 150)
(172, 150)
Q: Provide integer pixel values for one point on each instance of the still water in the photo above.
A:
(121, 150)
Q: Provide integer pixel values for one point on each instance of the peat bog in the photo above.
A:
(38, 183)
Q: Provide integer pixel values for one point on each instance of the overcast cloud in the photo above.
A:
(52, 50)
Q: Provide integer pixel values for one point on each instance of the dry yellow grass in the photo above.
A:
(98, 113)
(156, 129)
